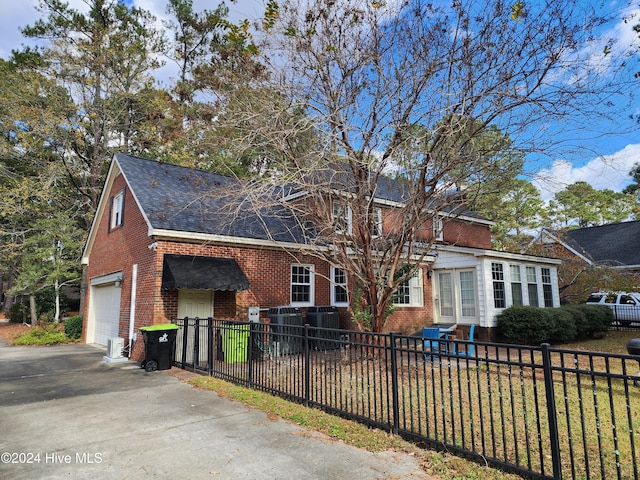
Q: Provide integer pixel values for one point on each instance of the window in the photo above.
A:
(547, 291)
(516, 285)
(301, 285)
(532, 286)
(376, 223)
(467, 294)
(497, 274)
(117, 210)
(438, 228)
(339, 287)
(341, 217)
(409, 292)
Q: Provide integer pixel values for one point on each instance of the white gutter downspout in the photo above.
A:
(132, 310)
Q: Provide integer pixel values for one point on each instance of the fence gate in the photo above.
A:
(194, 343)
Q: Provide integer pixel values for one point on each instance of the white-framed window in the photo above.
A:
(497, 274)
(301, 285)
(341, 217)
(339, 295)
(117, 210)
(438, 228)
(376, 223)
(410, 292)
(516, 285)
(532, 286)
(547, 290)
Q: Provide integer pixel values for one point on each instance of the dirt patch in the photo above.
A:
(10, 331)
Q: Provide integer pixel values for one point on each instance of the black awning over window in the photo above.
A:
(203, 273)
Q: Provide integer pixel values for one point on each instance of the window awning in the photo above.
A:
(202, 273)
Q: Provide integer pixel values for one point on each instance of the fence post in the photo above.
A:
(250, 352)
(185, 333)
(196, 343)
(394, 384)
(307, 369)
(210, 346)
(551, 412)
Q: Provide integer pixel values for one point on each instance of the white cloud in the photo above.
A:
(605, 172)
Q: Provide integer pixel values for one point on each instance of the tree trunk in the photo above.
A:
(32, 310)
(8, 299)
(56, 317)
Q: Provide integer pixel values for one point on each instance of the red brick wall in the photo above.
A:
(465, 234)
(118, 250)
(268, 271)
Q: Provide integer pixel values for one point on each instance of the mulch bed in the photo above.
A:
(10, 331)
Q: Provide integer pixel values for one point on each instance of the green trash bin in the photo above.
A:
(159, 346)
(235, 342)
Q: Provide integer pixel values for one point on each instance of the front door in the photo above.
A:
(456, 297)
(195, 303)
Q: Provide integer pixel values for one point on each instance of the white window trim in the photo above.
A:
(438, 228)
(347, 219)
(536, 282)
(499, 272)
(117, 209)
(377, 223)
(311, 301)
(416, 291)
(473, 290)
(333, 288)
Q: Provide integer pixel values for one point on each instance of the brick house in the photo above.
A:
(155, 252)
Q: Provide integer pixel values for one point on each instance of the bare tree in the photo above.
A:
(431, 94)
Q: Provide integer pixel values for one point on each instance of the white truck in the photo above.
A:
(625, 306)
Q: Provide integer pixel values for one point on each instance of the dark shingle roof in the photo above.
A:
(339, 177)
(616, 244)
(183, 199)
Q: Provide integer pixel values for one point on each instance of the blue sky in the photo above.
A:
(603, 161)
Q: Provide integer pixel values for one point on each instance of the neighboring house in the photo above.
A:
(613, 245)
(164, 245)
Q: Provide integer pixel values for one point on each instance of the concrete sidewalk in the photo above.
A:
(66, 413)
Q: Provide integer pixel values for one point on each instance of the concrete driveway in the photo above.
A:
(66, 413)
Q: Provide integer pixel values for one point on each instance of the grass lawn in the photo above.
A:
(612, 342)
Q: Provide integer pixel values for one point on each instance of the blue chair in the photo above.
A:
(430, 341)
(470, 350)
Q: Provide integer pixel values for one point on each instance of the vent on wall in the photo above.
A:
(115, 347)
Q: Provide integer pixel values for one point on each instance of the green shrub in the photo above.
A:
(73, 327)
(564, 325)
(18, 312)
(525, 325)
(597, 319)
(41, 336)
(580, 322)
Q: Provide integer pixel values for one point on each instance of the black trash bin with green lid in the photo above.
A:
(159, 346)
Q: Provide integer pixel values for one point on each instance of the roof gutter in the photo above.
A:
(173, 235)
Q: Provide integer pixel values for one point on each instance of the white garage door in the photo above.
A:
(106, 308)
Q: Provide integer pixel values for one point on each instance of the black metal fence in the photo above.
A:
(627, 317)
(540, 412)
